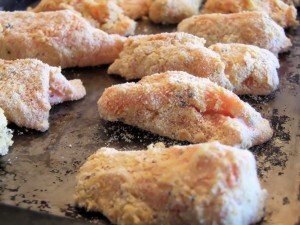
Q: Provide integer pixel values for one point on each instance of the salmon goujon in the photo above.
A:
(200, 184)
(186, 108)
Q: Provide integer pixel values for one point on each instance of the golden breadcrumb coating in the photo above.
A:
(60, 38)
(135, 9)
(200, 184)
(5, 134)
(145, 55)
(253, 28)
(285, 15)
(251, 70)
(187, 108)
(29, 87)
(173, 11)
(103, 14)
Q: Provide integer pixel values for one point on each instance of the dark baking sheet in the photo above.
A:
(12, 215)
(39, 171)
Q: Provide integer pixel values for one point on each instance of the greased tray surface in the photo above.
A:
(39, 171)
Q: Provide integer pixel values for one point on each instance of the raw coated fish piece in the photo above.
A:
(180, 185)
(282, 13)
(29, 87)
(243, 69)
(103, 14)
(60, 38)
(144, 55)
(251, 70)
(173, 11)
(187, 108)
(252, 28)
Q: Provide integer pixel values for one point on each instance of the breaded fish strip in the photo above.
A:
(135, 9)
(251, 70)
(5, 134)
(200, 184)
(173, 11)
(187, 108)
(29, 87)
(253, 28)
(60, 38)
(145, 55)
(285, 15)
(103, 14)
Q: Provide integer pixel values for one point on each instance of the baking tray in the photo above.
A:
(39, 172)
